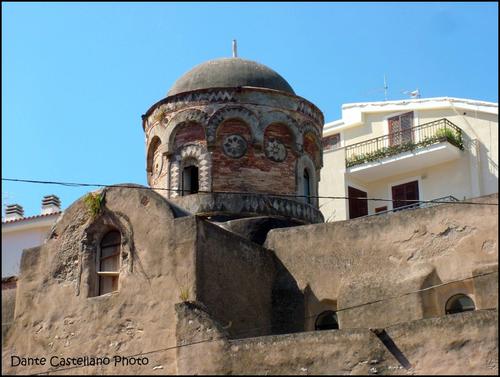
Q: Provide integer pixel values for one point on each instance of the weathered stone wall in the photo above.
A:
(346, 264)
(8, 305)
(464, 343)
(164, 260)
(234, 279)
(57, 312)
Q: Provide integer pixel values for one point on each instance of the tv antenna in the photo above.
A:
(385, 88)
(413, 93)
(378, 90)
(235, 49)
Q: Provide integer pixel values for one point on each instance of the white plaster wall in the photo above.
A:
(332, 183)
(13, 244)
(474, 174)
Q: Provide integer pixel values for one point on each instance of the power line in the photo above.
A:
(246, 331)
(139, 187)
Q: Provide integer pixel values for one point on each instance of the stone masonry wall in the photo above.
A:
(464, 343)
(56, 313)
(351, 263)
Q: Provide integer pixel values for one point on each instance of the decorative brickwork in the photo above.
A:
(248, 140)
(312, 148)
(189, 133)
(179, 120)
(195, 154)
(229, 113)
(279, 117)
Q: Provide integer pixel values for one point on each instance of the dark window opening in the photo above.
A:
(459, 303)
(109, 262)
(357, 207)
(307, 187)
(190, 180)
(327, 321)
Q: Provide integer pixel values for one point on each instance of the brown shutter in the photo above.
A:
(357, 207)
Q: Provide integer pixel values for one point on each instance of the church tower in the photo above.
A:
(231, 140)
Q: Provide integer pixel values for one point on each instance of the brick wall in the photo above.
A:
(253, 172)
(311, 148)
(188, 133)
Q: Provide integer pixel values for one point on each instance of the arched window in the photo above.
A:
(459, 303)
(307, 186)
(109, 262)
(190, 180)
(327, 321)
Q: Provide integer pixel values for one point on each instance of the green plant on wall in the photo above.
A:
(184, 294)
(160, 115)
(451, 135)
(94, 201)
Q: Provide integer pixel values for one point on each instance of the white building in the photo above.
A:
(19, 232)
(418, 149)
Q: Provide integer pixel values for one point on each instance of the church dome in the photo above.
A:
(230, 72)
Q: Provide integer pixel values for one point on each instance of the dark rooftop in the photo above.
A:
(230, 73)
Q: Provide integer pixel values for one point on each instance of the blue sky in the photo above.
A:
(76, 77)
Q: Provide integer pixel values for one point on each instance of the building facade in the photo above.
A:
(419, 149)
(20, 232)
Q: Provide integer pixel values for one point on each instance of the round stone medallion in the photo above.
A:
(234, 146)
(275, 150)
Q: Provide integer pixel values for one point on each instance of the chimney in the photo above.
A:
(50, 204)
(14, 212)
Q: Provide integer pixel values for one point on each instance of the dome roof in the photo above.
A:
(230, 72)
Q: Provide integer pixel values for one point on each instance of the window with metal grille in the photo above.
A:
(400, 129)
(109, 262)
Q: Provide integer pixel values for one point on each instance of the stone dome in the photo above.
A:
(230, 72)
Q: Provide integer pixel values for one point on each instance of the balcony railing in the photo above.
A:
(403, 141)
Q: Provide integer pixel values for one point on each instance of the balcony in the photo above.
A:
(399, 152)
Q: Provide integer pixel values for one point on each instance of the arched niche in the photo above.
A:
(190, 155)
(189, 116)
(305, 169)
(274, 117)
(234, 112)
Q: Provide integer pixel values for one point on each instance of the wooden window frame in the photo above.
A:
(100, 259)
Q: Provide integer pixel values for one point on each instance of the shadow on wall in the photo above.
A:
(489, 170)
(288, 310)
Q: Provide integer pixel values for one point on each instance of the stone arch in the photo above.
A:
(234, 112)
(179, 119)
(305, 163)
(153, 147)
(313, 134)
(272, 117)
(308, 127)
(188, 153)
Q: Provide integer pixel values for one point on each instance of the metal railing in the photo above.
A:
(402, 141)
(449, 198)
